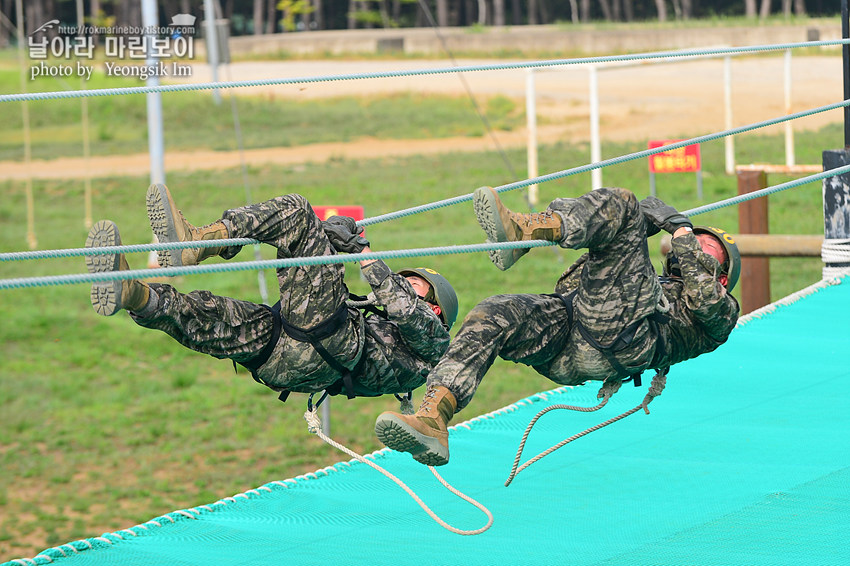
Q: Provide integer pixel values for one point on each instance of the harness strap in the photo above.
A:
(623, 339)
(320, 331)
(257, 361)
(314, 335)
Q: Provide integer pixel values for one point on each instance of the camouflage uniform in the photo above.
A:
(399, 351)
(615, 286)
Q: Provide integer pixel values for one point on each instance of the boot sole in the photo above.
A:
(163, 224)
(487, 212)
(401, 437)
(105, 295)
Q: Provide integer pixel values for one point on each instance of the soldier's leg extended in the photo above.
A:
(288, 223)
(503, 225)
(169, 225)
(308, 293)
(218, 326)
(527, 329)
(222, 327)
(108, 297)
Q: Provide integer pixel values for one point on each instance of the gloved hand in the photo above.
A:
(660, 216)
(344, 235)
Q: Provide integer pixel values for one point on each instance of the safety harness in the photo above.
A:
(624, 338)
(313, 336)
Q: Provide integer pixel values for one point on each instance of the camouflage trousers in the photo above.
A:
(615, 286)
(229, 328)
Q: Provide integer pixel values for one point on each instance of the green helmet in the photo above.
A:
(731, 267)
(444, 293)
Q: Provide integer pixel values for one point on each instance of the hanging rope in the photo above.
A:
(314, 425)
(655, 389)
(409, 73)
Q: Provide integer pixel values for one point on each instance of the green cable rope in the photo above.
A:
(605, 163)
(767, 191)
(408, 73)
(124, 249)
(44, 254)
(253, 265)
(350, 258)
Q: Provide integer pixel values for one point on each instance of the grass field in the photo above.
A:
(105, 424)
(191, 121)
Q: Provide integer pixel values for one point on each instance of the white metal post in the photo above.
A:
(25, 115)
(325, 414)
(211, 42)
(531, 124)
(727, 101)
(789, 130)
(150, 21)
(595, 143)
(87, 201)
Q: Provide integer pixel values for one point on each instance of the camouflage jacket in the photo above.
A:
(400, 350)
(702, 314)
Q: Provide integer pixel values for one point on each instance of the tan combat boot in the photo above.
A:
(109, 297)
(169, 226)
(424, 434)
(502, 225)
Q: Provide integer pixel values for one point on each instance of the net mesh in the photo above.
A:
(743, 460)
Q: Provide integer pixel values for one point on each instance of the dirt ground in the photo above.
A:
(638, 102)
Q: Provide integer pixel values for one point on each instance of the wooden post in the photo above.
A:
(752, 219)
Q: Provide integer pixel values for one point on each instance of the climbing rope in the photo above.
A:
(124, 249)
(835, 254)
(44, 254)
(314, 425)
(616, 161)
(409, 73)
(71, 279)
(608, 389)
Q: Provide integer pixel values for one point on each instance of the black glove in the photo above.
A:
(344, 235)
(660, 216)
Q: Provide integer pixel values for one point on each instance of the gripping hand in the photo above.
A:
(660, 216)
(344, 235)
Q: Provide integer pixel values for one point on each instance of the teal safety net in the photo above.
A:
(744, 460)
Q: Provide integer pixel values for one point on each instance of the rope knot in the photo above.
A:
(655, 388)
(314, 423)
(608, 389)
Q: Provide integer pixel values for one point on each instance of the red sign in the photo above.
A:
(680, 160)
(325, 212)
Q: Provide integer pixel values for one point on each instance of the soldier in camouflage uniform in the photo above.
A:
(610, 317)
(380, 354)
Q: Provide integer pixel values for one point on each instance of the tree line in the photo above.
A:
(257, 17)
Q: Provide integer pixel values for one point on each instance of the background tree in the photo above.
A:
(263, 16)
(750, 8)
